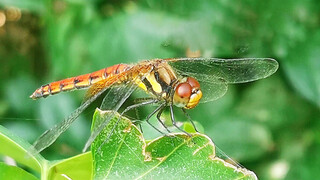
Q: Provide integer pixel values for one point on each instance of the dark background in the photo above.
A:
(270, 126)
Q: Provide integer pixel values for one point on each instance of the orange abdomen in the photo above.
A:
(78, 82)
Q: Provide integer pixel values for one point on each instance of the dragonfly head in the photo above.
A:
(187, 93)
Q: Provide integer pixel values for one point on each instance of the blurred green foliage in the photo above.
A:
(270, 126)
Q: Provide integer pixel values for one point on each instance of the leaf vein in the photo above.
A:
(114, 159)
(157, 165)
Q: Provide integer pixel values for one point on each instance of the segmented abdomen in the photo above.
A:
(78, 82)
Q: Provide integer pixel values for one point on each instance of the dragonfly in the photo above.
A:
(180, 82)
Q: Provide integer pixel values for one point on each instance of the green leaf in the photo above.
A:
(188, 127)
(77, 167)
(14, 172)
(19, 150)
(127, 155)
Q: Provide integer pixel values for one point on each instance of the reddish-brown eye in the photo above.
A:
(193, 82)
(184, 90)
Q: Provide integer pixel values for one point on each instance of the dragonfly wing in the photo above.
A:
(114, 99)
(212, 91)
(50, 136)
(214, 74)
(230, 70)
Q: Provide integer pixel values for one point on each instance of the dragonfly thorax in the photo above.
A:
(187, 93)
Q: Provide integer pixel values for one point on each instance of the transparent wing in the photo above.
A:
(214, 74)
(212, 90)
(230, 70)
(114, 99)
(50, 136)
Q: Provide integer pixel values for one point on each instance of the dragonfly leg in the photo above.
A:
(136, 110)
(126, 110)
(174, 121)
(189, 118)
(140, 100)
(158, 117)
(148, 101)
(151, 114)
(138, 117)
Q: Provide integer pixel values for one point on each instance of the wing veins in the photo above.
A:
(51, 135)
(117, 104)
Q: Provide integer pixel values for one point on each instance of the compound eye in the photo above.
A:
(193, 82)
(184, 90)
